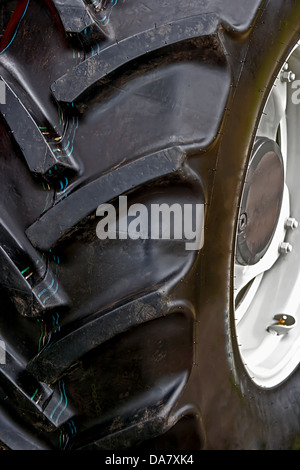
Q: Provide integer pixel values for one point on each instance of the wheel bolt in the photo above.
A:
(291, 223)
(288, 76)
(243, 221)
(285, 248)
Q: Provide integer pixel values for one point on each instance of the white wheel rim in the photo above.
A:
(273, 282)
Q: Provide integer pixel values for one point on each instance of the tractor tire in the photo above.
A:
(112, 342)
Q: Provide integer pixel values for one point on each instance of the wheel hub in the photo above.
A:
(261, 202)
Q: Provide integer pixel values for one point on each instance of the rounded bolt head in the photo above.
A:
(285, 248)
(288, 76)
(291, 223)
(243, 221)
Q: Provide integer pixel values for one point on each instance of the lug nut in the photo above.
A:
(288, 76)
(243, 221)
(285, 248)
(291, 223)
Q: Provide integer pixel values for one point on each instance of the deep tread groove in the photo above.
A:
(85, 200)
(37, 152)
(33, 287)
(48, 365)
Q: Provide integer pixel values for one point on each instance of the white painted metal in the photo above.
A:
(274, 282)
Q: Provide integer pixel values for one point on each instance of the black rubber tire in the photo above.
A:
(130, 344)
